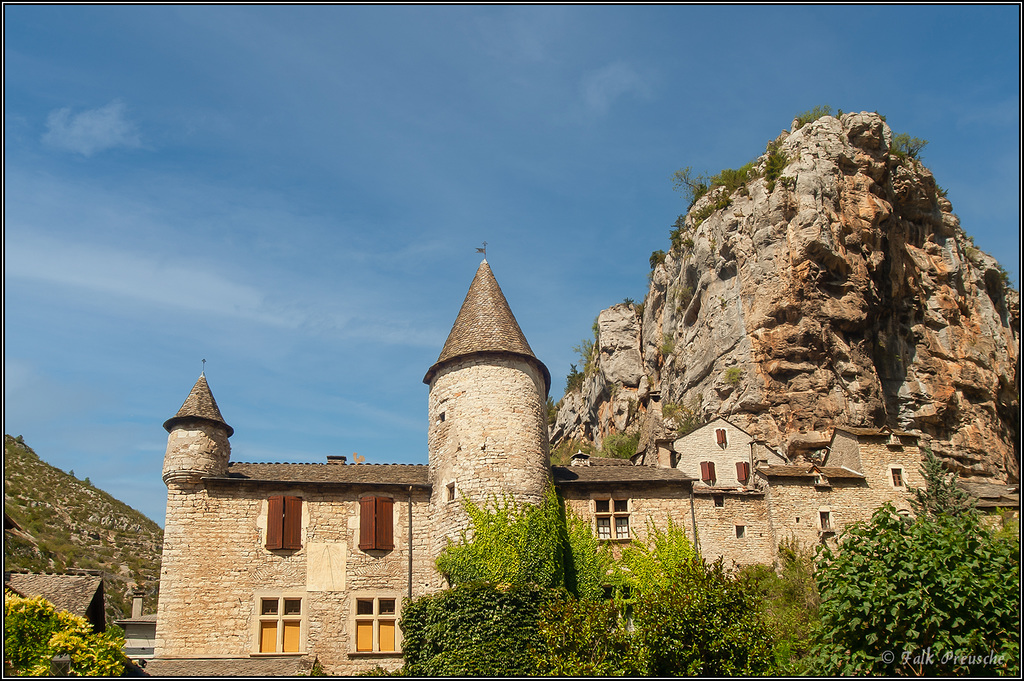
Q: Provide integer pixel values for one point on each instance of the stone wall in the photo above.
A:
(702, 445)
(195, 449)
(487, 437)
(214, 547)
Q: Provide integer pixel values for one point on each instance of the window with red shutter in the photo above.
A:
(742, 471)
(376, 523)
(707, 471)
(284, 522)
(720, 436)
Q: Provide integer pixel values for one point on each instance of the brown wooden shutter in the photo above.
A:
(711, 470)
(275, 522)
(385, 535)
(704, 474)
(367, 526)
(720, 435)
(292, 525)
(742, 470)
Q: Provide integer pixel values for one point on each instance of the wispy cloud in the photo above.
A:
(92, 130)
(601, 87)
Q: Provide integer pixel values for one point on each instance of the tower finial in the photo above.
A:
(203, 372)
(483, 250)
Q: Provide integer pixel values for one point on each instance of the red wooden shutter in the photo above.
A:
(742, 470)
(292, 525)
(720, 435)
(385, 535)
(367, 527)
(704, 473)
(275, 522)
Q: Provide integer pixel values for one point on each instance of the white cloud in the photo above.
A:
(603, 86)
(91, 130)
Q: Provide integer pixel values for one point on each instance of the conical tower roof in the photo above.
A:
(199, 405)
(486, 325)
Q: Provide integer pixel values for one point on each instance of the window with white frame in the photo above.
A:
(376, 625)
(280, 624)
(897, 476)
(612, 518)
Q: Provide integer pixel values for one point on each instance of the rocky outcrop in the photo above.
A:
(843, 292)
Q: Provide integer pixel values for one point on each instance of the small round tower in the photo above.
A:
(197, 444)
(487, 409)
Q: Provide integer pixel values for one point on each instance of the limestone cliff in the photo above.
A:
(842, 291)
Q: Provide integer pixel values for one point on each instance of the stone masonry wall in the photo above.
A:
(196, 449)
(487, 435)
(702, 445)
(214, 547)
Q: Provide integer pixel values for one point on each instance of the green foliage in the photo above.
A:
(814, 114)
(552, 409)
(620, 445)
(35, 631)
(562, 453)
(937, 596)
(657, 258)
(512, 543)
(703, 623)
(580, 638)
(904, 146)
(574, 380)
(775, 164)
(649, 567)
(685, 416)
(474, 629)
(691, 186)
(790, 598)
(733, 375)
(941, 494)
(668, 345)
(733, 179)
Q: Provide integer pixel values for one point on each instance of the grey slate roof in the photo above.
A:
(485, 324)
(199, 405)
(808, 471)
(241, 666)
(993, 495)
(875, 432)
(329, 473)
(616, 474)
(73, 593)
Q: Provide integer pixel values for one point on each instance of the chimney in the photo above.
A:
(337, 458)
(137, 595)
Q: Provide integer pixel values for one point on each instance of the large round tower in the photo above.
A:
(197, 444)
(487, 432)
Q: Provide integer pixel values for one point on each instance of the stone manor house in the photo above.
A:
(269, 566)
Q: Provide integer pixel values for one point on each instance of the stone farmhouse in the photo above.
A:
(270, 566)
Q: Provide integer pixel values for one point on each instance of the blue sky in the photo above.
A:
(296, 194)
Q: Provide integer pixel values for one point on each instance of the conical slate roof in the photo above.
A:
(485, 325)
(199, 405)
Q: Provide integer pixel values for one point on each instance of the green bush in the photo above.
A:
(904, 146)
(35, 631)
(475, 629)
(813, 115)
(657, 258)
(733, 375)
(936, 596)
(620, 445)
(775, 164)
(586, 639)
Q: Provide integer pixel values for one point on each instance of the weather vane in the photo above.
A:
(483, 250)
(204, 367)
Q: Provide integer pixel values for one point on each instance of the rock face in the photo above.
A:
(843, 293)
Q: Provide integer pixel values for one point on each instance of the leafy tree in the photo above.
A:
(942, 494)
(691, 186)
(647, 567)
(579, 638)
(620, 445)
(939, 595)
(35, 631)
(703, 623)
(905, 146)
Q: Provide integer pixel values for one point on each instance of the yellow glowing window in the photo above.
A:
(376, 629)
(364, 636)
(387, 636)
(280, 625)
(268, 637)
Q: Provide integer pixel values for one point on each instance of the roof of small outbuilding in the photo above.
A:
(73, 593)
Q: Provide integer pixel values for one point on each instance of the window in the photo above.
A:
(897, 477)
(707, 472)
(720, 437)
(451, 491)
(280, 624)
(284, 522)
(826, 520)
(612, 513)
(376, 625)
(376, 523)
(742, 471)
(719, 500)
(741, 531)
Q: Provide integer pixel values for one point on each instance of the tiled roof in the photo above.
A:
(568, 475)
(241, 666)
(808, 471)
(993, 495)
(875, 432)
(199, 405)
(332, 473)
(485, 324)
(73, 593)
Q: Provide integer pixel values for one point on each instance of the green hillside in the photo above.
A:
(68, 524)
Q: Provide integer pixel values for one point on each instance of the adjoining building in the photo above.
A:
(269, 566)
